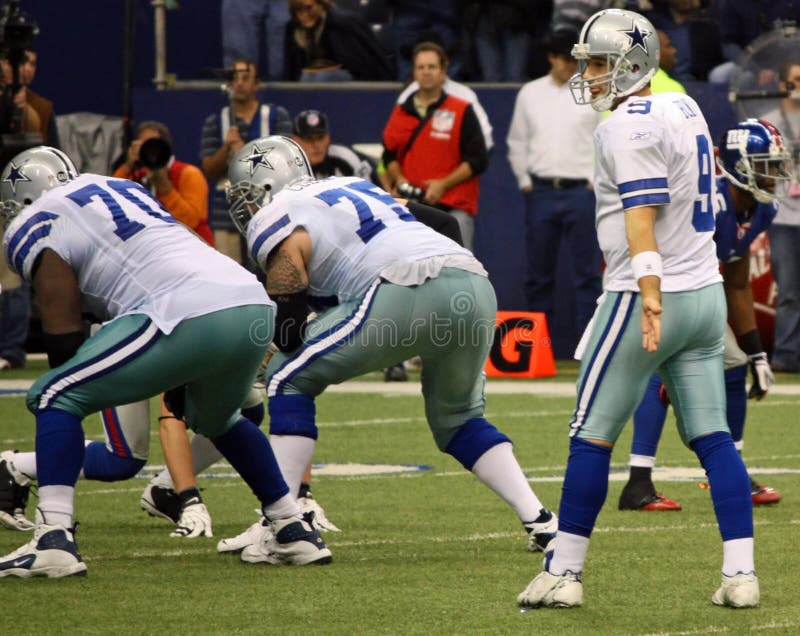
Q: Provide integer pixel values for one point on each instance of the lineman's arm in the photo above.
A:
(640, 231)
(287, 285)
(56, 288)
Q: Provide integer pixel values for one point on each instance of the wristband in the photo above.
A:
(647, 264)
(750, 343)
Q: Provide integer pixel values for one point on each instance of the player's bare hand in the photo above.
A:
(651, 323)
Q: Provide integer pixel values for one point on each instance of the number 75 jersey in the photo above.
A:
(656, 151)
(357, 232)
(128, 254)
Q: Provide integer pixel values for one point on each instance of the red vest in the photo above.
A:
(203, 229)
(435, 152)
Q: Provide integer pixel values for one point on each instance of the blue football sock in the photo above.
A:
(102, 465)
(254, 413)
(585, 487)
(729, 482)
(59, 448)
(736, 395)
(246, 447)
(648, 420)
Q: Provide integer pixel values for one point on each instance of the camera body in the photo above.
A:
(154, 153)
(410, 191)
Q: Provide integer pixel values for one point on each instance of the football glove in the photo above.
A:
(762, 375)
(194, 522)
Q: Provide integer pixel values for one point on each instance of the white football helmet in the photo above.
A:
(260, 170)
(629, 44)
(31, 173)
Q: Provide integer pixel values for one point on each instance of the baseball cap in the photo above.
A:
(310, 122)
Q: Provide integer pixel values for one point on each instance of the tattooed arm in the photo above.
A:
(287, 285)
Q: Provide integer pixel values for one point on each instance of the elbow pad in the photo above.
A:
(61, 347)
(290, 321)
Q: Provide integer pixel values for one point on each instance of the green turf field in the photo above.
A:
(423, 552)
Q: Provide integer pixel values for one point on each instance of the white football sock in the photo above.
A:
(284, 508)
(642, 461)
(56, 505)
(737, 556)
(570, 553)
(499, 469)
(204, 453)
(294, 453)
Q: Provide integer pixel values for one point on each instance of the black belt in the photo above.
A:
(559, 183)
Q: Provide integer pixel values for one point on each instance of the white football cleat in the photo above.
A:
(739, 590)
(292, 541)
(541, 534)
(551, 590)
(52, 553)
(161, 501)
(14, 490)
(251, 536)
(321, 521)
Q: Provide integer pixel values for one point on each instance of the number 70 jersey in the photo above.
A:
(656, 151)
(357, 231)
(128, 254)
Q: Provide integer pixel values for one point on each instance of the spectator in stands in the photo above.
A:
(252, 26)
(312, 133)
(784, 235)
(433, 141)
(502, 37)
(662, 81)
(741, 22)
(693, 33)
(327, 44)
(224, 133)
(27, 98)
(550, 149)
(180, 187)
(412, 17)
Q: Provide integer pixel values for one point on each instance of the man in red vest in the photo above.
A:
(180, 187)
(433, 142)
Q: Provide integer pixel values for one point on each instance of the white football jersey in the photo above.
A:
(129, 255)
(657, 151)
(357, 231)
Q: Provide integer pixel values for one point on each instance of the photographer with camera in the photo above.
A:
(180, 187)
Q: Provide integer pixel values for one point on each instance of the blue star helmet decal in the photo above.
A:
(258, 157)
(15, 175)
(637, 37)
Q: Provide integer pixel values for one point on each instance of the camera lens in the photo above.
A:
(155, 153)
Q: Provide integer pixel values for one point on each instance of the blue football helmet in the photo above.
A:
(753, 156)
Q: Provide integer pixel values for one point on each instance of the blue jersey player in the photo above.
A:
(752, 157)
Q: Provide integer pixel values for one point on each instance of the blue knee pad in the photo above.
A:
(254, 413)
(472, 440)
(292, 415)
(101, 464)
(736, 396)
(648, 420)
(585, 487)
(730, 484)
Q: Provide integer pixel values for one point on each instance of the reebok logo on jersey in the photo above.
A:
(639, 136)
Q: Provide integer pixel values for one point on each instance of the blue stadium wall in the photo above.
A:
(80, 69)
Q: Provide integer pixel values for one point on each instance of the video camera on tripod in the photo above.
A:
(17, 33)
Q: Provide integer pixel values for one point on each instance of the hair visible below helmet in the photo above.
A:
(754, 151)
(31, 173)
(629, 43)
(260, 170)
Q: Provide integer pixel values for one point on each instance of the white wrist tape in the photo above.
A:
(647, 264)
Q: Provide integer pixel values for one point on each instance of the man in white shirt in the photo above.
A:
(551, 154)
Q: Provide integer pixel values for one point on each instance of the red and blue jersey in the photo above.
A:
(733, 234)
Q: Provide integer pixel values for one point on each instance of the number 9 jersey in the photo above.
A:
(129, 255)
(358, 233)
(657, 151)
